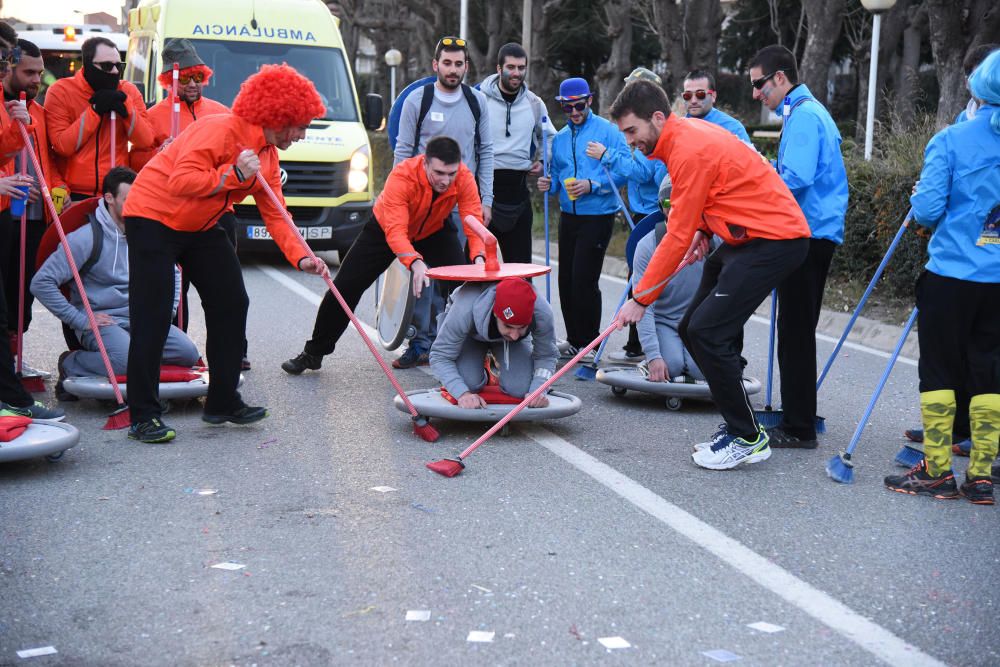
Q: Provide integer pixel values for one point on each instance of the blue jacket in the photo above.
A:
(959, 198)
(644, 177)
(569, 160)
(811, 165)
(726, 122)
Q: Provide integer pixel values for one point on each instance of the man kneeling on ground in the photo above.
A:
(104, 271)
(497, 318)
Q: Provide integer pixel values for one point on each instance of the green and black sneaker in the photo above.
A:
(917, 481)
(152, 432)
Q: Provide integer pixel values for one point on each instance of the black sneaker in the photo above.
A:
(243, 415)
(781, 439)
(979, 490)
(995, 472)
(914, 434)
(304, 361)
(62, 395)
(37, 411)
(245, 364)
(153, 431)
(918, 481)
(411, 359)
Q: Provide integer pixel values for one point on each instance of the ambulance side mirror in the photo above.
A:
(373, 111)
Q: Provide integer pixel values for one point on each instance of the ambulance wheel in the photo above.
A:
(673, 403)
(619, 391)
(52, 458)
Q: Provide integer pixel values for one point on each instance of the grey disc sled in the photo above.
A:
(100, 388)
(430, 403)
(48, 439)
(622, 379)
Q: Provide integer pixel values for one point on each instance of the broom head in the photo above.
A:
(33, 384)
(422, 427)
(909, 456)
(118, 419)
(586, 372)
(768, 418)
(447, 467)
(840, 469)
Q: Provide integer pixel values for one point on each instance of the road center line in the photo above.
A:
(867, 634)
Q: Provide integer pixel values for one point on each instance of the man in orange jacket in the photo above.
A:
(193, 76)
(721, 187)
(407, 223)
(171, 217)
(78, 118)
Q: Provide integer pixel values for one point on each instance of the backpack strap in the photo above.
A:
(425, 106)
(477, 113)
(98, 246)
(660, 231)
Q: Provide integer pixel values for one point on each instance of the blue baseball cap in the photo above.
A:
(573, 89)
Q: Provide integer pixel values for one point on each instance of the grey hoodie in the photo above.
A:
(106, 282)
(525, 120)
(469, 312)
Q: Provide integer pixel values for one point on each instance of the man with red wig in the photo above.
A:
(171, 218)
(193, 76)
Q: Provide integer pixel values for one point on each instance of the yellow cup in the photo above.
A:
(566, 182)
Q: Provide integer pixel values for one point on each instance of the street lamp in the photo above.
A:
(393, 58)
(876, 7)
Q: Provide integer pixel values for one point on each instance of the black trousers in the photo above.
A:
(736, 279)
(800, 299)
(514, 240)
(368, 258)
(583, 240)
(209, 261)
(11, 391)
(10, 264)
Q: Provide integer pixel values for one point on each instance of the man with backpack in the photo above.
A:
(100, 250)
(446, 107)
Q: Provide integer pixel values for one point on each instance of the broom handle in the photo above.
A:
(864, 297)
(180, 298)
(545, 206)
(72, 265)
(881, 384)
(541, 390)
(113, 138)
(336, 293)
(490, 241)
(618, 196)
(621, 302)
(770, 348)
(20, 281)
(175, 103)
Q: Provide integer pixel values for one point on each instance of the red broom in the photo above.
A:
(421, 424)
(33, 383)
(451, 467)
(120, 418)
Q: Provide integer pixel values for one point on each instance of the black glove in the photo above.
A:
(105, 101)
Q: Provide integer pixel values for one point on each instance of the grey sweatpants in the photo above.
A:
(516, 366)
(179, 350)
(679, 361)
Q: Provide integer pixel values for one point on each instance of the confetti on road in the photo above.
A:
(264, 444)
(765, 627)
(613, 642)
(721, 655)
(418, 615)
(206, 492)
(480, 636)
(383, 489)
(229, 566)
(422, 508)
(360, 612)
(35, 652)
(485, 590)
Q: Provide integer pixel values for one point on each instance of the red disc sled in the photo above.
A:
(492, 270)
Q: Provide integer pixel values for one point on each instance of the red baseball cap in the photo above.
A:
(515, 302)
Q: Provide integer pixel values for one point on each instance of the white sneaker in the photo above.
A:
(731, 452)
(716, 437)
(623, 357)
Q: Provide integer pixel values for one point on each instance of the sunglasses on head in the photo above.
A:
(108, 66)
(570, 107)
(451, 41)
(700, 94)
(759, 83)
(185, 79)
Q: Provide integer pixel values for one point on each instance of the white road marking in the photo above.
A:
(867, 634)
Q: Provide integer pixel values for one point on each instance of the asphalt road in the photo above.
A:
(553, 542)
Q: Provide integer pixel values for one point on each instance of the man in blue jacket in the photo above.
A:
(699, 100)
(587, 210)
(811, 165)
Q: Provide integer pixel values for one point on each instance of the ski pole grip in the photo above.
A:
(490, 241)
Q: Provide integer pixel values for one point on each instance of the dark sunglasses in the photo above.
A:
(759, 83)
(574, 106)
(700, 94)
(108, 66)
(185, 79)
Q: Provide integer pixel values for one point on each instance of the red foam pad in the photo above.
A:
(171, 374)
(12, 427)
(477, 273)
(491, 393)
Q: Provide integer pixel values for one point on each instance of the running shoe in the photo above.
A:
(917, 481)
(732, 451)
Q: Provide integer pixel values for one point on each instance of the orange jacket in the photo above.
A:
(10, 144)
(721, 186)
(159, 118)
(407, 211)
(81, 138)
(191, 182)
(43, 150)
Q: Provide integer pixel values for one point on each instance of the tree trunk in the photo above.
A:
(689, 32)
(825, 18)
(909, 68)
(610, 75)
(542, 80)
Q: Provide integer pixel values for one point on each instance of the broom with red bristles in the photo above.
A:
(31, 383)
(120, 418)
(421, 424)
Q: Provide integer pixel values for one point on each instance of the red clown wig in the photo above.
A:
(277, 96)
(166, 79)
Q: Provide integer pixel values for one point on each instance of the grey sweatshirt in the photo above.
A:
(106, 282)
(469, 312)
(525, 120)
(455, 120)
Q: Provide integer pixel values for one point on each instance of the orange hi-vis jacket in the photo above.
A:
(11, 143)
(82, 139)
(53, 178)
(408, 210)
(721, 186)
(159, 118)
(191, 182)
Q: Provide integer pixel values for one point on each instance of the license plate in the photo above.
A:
(260, 232)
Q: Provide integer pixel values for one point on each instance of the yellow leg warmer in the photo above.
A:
(937, 408)
(984, 416)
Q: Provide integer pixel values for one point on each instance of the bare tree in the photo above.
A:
(617, 16)
(689, 32)
(541, 77)
(824, 19)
